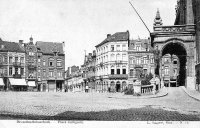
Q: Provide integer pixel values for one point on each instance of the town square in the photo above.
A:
(100, 61)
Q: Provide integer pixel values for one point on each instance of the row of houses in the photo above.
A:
(29, 66)
(119, 61)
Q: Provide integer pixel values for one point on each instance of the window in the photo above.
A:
(16, 59)
(16, 70)
(44, 73)
(145, 71)
(10, 70)
(59, 63)
(137, 47)
(31, 53)
(118, 57)
(166, 70)
(22, 71)
(118, 47)
(44, 63)
(38, 59)
(152, 60)
(124, 57)
(1, 59)
(138, 61)
(123, 47)
(112, 48)
(59, 74)
(112, 71)
(131, 72)
(124, 71)
(50, 73)
(175, 62)
(51, 61)
(112, 57)
(145, 60)
(118, 71)
(22, 59)
(10, 59)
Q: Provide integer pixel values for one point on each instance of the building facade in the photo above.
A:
(89, 71)
(141, 59)
(12, 69)
(74, 79)
(170, 69)
(112, 63)
(51, 66)
(179, 40)
(31, 65)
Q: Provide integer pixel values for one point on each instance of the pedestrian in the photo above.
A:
(86, 89)
(157, 82)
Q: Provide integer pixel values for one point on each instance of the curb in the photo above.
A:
(184, 89)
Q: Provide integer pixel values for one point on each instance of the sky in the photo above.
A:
(81, 24)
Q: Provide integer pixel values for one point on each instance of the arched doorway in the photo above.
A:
(123, 85)
(177, 49)
(118, 86)
(112, 85)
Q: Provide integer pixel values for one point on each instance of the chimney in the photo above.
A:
(108, 35)
(21, 41)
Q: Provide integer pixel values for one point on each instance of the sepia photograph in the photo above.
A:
(99, 63)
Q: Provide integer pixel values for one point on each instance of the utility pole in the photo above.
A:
(140, 17)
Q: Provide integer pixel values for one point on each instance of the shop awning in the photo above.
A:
(31, 84)
(19, 82)
(1, 82)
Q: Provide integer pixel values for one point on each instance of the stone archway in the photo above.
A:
(178, 49)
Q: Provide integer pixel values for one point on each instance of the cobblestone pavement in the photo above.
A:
(97, 106)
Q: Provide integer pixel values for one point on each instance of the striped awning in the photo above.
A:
(31, 84)
(1, 82)
(18, 82)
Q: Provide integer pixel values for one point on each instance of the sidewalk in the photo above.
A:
(192, 93)
(163, 92)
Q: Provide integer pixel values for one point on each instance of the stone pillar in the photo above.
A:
(190, 73)
(189, 12)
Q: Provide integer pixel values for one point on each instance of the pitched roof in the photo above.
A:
(118, 36)
(10, 47)
(144, 43)
(50, 47)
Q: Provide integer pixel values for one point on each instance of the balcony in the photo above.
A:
(17, 64)
(138, 66)
(118, 62)
(17, 76)
(174, 28)
(118, 76)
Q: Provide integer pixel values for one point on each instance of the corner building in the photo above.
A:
(112, 63)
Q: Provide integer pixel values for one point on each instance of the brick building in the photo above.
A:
(170, 69)
(51, 66)
(141, 59)
(12, 66)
